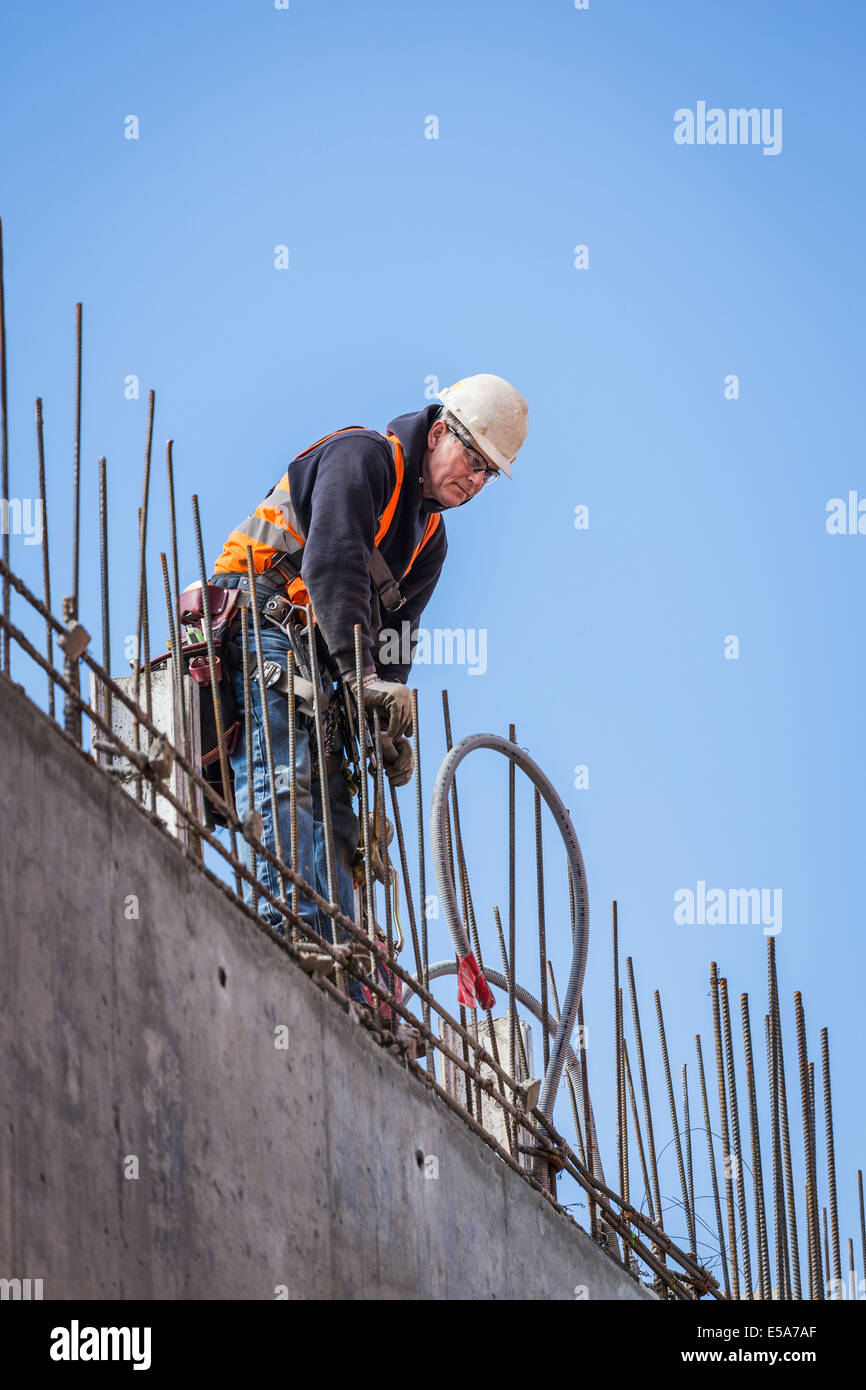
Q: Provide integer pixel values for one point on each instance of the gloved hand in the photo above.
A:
(392, 698)
(398, 759)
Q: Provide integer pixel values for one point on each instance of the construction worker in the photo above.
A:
(353, 528)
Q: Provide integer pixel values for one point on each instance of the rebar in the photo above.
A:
(776, 1018)
(46, 569)
(76, 459)
(862, 1223)
(726, 1143)
(584, 1082)
(776, 1152)
(735, 1138)
(712, 1162)
(831, 1155)
(690, 1222)
(248, 748)
(542, 936)
(71, 709)
(324, 789)
(636, 1122)
(572, 1094)
(422, 861)
(622, 1087)
(212, 672)
(831, 1289)
(651, 1143)
(757, 1173)
(176, 672)
(172, 521)
(617, 1028)
(687, 1133)
(468, 906)
(813, 1235)
(142, 574)
(363, 742)
(291, 716)
(263, 695)
(510, 984)
(852, 1273)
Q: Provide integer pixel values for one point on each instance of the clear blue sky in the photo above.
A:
(413, 258)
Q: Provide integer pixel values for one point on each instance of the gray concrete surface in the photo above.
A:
(138, 1027)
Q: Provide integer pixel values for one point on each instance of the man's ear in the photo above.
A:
(435, 433)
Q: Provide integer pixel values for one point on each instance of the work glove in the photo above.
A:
(398, 760)
(392, 698)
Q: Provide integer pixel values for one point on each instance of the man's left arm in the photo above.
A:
(417, 589)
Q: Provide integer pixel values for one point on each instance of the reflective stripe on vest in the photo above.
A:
(273, 529)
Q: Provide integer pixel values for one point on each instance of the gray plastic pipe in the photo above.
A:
(577, 885)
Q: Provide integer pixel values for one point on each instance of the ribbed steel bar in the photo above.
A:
(422, 862)
(757, 1171)
(623, 1100)
(324, 789)
(46, 566)
(778, 1180)
(831, 1289)
(584, 1082)
(211, 658)
(636, 1122)
(737, 1153)
(831, 1156)
(791, 1224)
(510, 984)
(175, 665)
(248, 747)
(651, 1143)
(690, 1221)
(381, 830)
(291, 716)
(813, 1234)
(712, 1162)
(407, 886)
(4, 457)
(363, 741)
(172, 520)
(852, 1273)
(71, 709)
(76, 460)
(542, 930)
(172, 517)
(468, 905)
(728, 1158)
(104, 583)
(142, 575)
(687, 1134)
(572, 1094)
(617, 1031)
(270, 764)
(862, 1223)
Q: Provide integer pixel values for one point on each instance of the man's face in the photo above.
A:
(448, 468)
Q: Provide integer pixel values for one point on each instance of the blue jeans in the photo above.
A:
(310, 859)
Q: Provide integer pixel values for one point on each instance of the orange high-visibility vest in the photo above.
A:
(273, 530)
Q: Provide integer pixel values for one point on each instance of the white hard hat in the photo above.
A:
(494, 413)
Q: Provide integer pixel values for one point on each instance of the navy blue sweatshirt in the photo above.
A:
(339, 492)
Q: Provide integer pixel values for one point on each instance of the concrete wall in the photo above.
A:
(149, 1040)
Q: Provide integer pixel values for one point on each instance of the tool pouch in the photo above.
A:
(222, 606)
